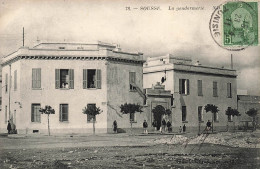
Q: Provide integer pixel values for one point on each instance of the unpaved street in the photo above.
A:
(121, 151)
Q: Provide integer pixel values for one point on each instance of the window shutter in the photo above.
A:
(57, 78)
(39, 78)
(85, 77)
(180, 86)
(188, 87)
(65, 112)
(32, 113)
(216, 89)
(38, 113)
(228, 89)
(71, 78)
(132, 77)
(199, 87)
(61, 112)
(98, 78)
(33, 78)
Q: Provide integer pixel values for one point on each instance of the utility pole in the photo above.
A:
(23, 36)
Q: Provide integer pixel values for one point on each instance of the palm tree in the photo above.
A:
(47, 110)
(253, 113)
(129, 108)
(232, 112)
(92, 111)
(213, 109)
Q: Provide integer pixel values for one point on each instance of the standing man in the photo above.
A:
(184, 128)
(155, 125)
(9, 128)
(208, 126)
(169, 126)
(163, 125)
(115, 126)
(145, 125)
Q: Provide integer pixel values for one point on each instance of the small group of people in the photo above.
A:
(163, 128)
(182, 129)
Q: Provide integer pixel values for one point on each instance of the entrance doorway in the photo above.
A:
(158, 111)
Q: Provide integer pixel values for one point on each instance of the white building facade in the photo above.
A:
(68, 77)
(192, 87)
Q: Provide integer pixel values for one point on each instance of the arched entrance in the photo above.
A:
(158, 113)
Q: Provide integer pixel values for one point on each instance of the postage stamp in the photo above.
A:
(234, 25)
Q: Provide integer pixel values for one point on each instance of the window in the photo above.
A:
(91, 78)
(229, 90)
(215, 117)
(132, 81)
(64, 112)
(90, 118)
(0, 103)
(6, 82)
(5, 114)
(132, 117)
(200, 88)
(15, 80)
(184, 113)
(184, 87)
(215, 89)
(35, 113)
(36, 78)
(200, 114)
(64, 78)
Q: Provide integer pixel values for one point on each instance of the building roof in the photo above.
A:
(184, 64)
(98, 50)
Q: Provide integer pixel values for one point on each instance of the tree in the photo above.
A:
(213, 109)
(47, 110)
(129, 108)
(92, 111)
(232, 112)
(253, 113)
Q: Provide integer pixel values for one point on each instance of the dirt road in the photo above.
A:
(119, 151)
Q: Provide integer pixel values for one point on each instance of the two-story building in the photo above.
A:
(192, 87)
(68, 77)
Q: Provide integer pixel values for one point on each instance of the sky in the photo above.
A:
(183, 33)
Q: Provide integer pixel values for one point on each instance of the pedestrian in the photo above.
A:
(155, 125)
(145, 125)
(115, 126)
(9, 128)
(180, 129)
(163, 125)
(208, 126)
(184, 128)
(169, 126)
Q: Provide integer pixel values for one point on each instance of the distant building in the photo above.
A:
(193, 86)
(68, 77)
(245, 103)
